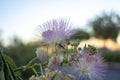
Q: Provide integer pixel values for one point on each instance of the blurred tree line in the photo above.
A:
(20, 52)
(106, 25)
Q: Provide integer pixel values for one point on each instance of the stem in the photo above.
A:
(23, 67)
(19, 68)
(35, 71)
(41, 69)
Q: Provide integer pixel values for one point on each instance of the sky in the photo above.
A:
(22, 17)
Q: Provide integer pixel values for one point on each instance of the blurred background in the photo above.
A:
(97, 22)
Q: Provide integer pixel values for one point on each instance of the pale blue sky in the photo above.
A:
(21, 17)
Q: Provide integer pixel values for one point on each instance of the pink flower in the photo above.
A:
(91, 67)
(56, 31)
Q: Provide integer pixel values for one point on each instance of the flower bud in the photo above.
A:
(42, 54)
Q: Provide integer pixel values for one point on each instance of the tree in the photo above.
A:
(1, 40)
(80, 34)
(106, 25)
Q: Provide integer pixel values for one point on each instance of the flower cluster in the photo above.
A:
(67, 64)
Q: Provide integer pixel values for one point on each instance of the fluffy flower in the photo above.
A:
(90, 67)
(55, 31)
(42, 54)
(54, 62)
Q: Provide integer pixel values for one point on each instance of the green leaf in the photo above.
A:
(1, 62)
(10, 61)
(6, 71)
(2, 76)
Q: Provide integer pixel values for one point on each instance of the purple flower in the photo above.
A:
(54, 62)
(90, 67)
(56, 31)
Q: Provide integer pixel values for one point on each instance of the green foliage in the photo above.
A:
(10, 61)
(107, 25)
(111, 56)
(93, 49)
(6, 70)
(80, 34)
(30, 63)
(21, 53)
(1, 40)
(27, 66)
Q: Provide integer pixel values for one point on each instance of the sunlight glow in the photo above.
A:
(118, 39)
